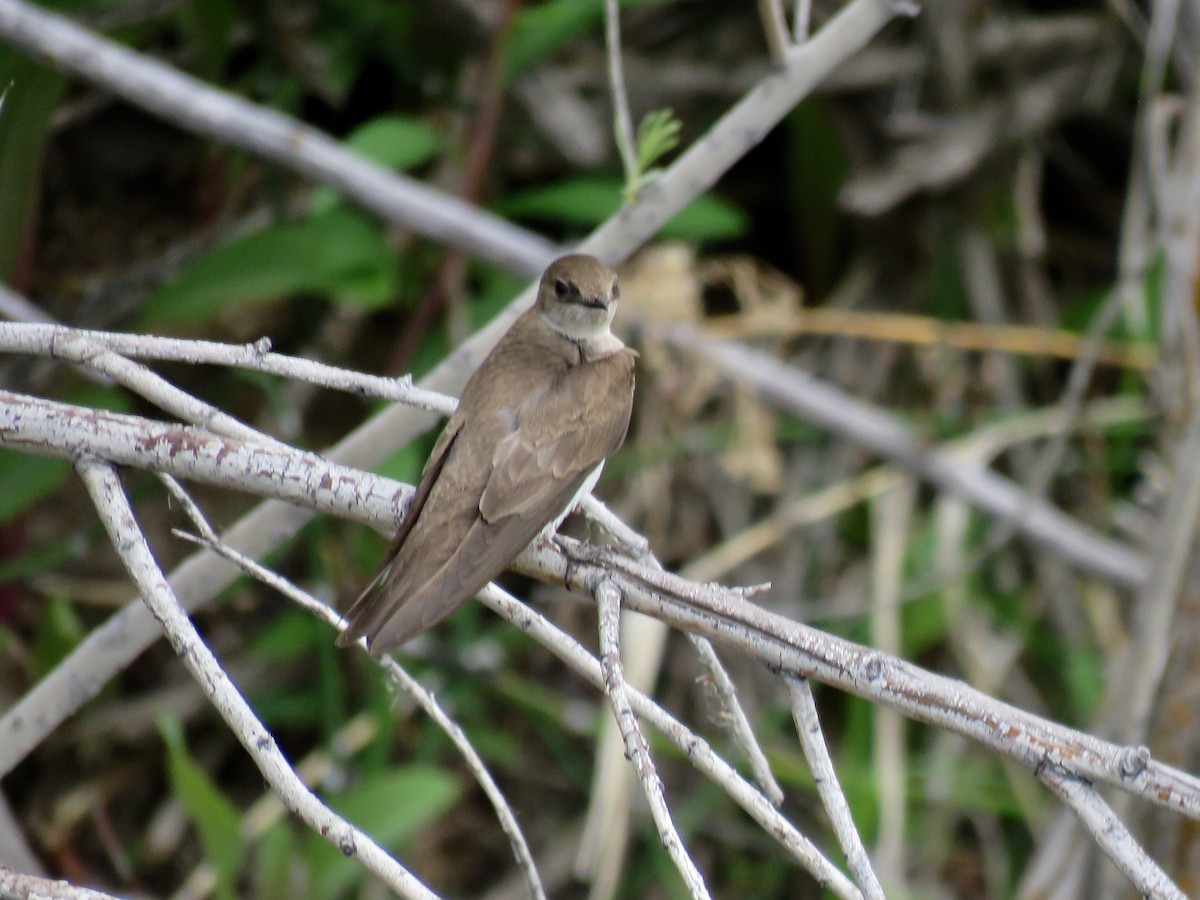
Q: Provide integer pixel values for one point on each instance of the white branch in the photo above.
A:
(32, 887)
(718, 613)
(191, 104)
(398, 675)
(111, 647)
(691, 745)
(63, 342)
(1110, 834)
(868, 426)
(637, 750)
(622, 121)
(812, 741)
(115, 512)
(793, 647)
(734, 719)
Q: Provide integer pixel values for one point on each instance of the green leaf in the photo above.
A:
(217, 821)
(586, 202)
(33, 93)
(274, 858)
(391, 806)
(286, 637)
(207, 29)
(405, 464)
(51, 555)
(816, 170)
(397, 142)
(538, 30)
(340, 254)
(59, 632)
(658, 134)
(27, 479)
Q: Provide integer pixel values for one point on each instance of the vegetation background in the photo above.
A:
(968, 172)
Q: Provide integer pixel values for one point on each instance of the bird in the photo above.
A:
(536, 421)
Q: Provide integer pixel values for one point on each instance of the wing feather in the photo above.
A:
(538, 457)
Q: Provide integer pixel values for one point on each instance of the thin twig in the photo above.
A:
(802, 21)
(608, 601)
(890, 515)
(1172, 544)
(770, 13)
(870, 427)
(18, 886)
(113, 645)
(1110, 834)
(812, 741)
(188, 102)
(114, 510)
(735, 721)
(399, 677)
(59, 340)
(622, 121)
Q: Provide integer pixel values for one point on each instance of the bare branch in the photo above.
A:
(719, 613)
(622, 121)
(61, 341)
(191, 104)
(608, 600)
(26, 887)
(1110, 834)
(395, 672)
(875, 429)
(113, 507)
(111, 647)
(736, 722)
(694, 747)
(808, 726)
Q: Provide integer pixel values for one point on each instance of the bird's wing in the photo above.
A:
(555, 440)
(559, 438)
(367, 614)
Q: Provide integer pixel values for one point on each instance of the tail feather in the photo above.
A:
(359, 618)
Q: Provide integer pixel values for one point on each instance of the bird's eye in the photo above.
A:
(561, 288)
(616, 292)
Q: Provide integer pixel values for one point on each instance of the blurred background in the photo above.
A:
(933, 231)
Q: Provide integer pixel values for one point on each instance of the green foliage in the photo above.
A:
(588, 201)
(406, 463)
(335, 252)
(40, 559)
(27, 479)
(206, 27)
(31, 96)
(338, 254)
(216, 820)
(657, 135)
(816, 171)
(320, 699)
(391, 806)
(275, 860)
(540, 29)
(398, 142)
(59, 632)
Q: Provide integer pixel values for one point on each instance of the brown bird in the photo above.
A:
(535, 423)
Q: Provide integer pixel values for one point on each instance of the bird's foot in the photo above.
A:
(574, 552)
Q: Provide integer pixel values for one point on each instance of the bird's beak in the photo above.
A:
(599, 302)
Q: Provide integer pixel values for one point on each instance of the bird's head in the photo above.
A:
(578, 296)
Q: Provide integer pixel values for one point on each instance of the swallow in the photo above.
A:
(534, 426)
